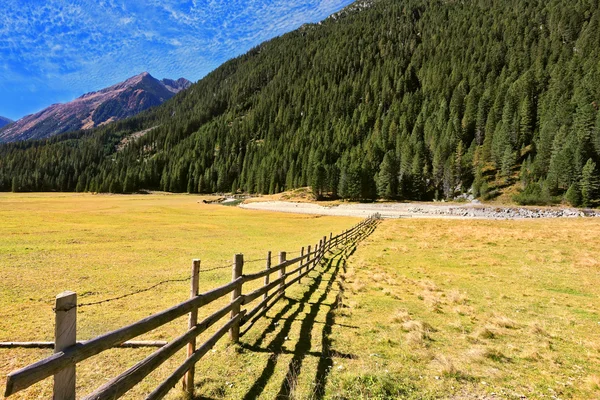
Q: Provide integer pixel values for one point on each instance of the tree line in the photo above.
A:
(419, 99)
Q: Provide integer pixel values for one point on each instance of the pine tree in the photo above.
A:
(387, 177)
(573, 195)
(590, 184)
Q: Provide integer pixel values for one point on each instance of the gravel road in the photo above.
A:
(422, 210)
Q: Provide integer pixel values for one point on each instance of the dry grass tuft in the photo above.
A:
(432, 301)
(447, 367)
(456, 297)
(418, 332)
(486, 332)
(495, 355)
(595, 346)
(416, 338)
(410, 326)
(401, 316)
(503, 322)
(536, 329)
(459, 327)
(463, 310)
(358, 287)
(531, 355)
(428, 285)
(593, 382)
(391, 293)
(483, 353)
(355, 305)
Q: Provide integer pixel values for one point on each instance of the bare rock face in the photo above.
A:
(4, 121)
(119, 101)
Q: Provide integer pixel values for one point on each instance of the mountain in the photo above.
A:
(412, 99)
(4, 121)
(93, 109)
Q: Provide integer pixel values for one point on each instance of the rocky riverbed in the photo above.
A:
(424, 210)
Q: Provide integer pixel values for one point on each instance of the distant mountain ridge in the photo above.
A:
(5, 121)
(116, 102)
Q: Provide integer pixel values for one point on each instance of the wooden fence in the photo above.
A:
(68, 352)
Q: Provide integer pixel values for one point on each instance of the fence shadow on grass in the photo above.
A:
(322, 285)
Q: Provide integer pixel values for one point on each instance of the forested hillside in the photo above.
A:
(414, 99)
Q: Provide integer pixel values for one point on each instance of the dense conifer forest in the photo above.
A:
(411, 99)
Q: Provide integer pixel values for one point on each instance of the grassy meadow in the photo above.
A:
(421, 308)
(102, 246)
(472, 309)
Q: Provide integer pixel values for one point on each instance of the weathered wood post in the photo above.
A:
(65, 335)
(238, 265)
(325, 244)
(282, 259)
(307, 265)
(267, 278)
(188, 379)
(319, 251)
(301, 261)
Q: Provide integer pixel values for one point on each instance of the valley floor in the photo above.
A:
(422, 308)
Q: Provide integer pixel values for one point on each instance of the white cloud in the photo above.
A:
(126, 20)
(168, 38)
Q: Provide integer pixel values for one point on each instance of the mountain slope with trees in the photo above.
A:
(417, 99)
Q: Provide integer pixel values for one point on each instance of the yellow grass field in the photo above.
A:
(421, 309)
(104, 246)
(473, 309)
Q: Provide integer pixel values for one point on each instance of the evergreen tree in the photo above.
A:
(590, 184)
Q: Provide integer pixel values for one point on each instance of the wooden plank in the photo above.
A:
(247, 298)
(65, 335)
(258, 307)
(121, 384)
(27, 376)
(188, 379)
(50, 345)
(162, 390)
(236, 272)
(265, 272)
(279, 291)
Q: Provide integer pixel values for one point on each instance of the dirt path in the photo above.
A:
(422, 210)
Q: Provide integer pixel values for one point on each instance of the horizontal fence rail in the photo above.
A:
(69, 352)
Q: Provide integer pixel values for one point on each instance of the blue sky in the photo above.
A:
(52, 51)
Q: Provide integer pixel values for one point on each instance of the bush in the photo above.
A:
(534, 194)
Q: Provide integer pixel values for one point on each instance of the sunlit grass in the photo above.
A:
(471, 308)
(104, 246)
(424, 308)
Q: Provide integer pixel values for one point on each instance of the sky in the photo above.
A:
(53, 51)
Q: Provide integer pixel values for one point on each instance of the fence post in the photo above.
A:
(319, 251)
(301, 261)
(238, 265)
(267, 278)
(188, 379)
(307, 265)
(325, 244)
(282, 259)
(65, 335)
